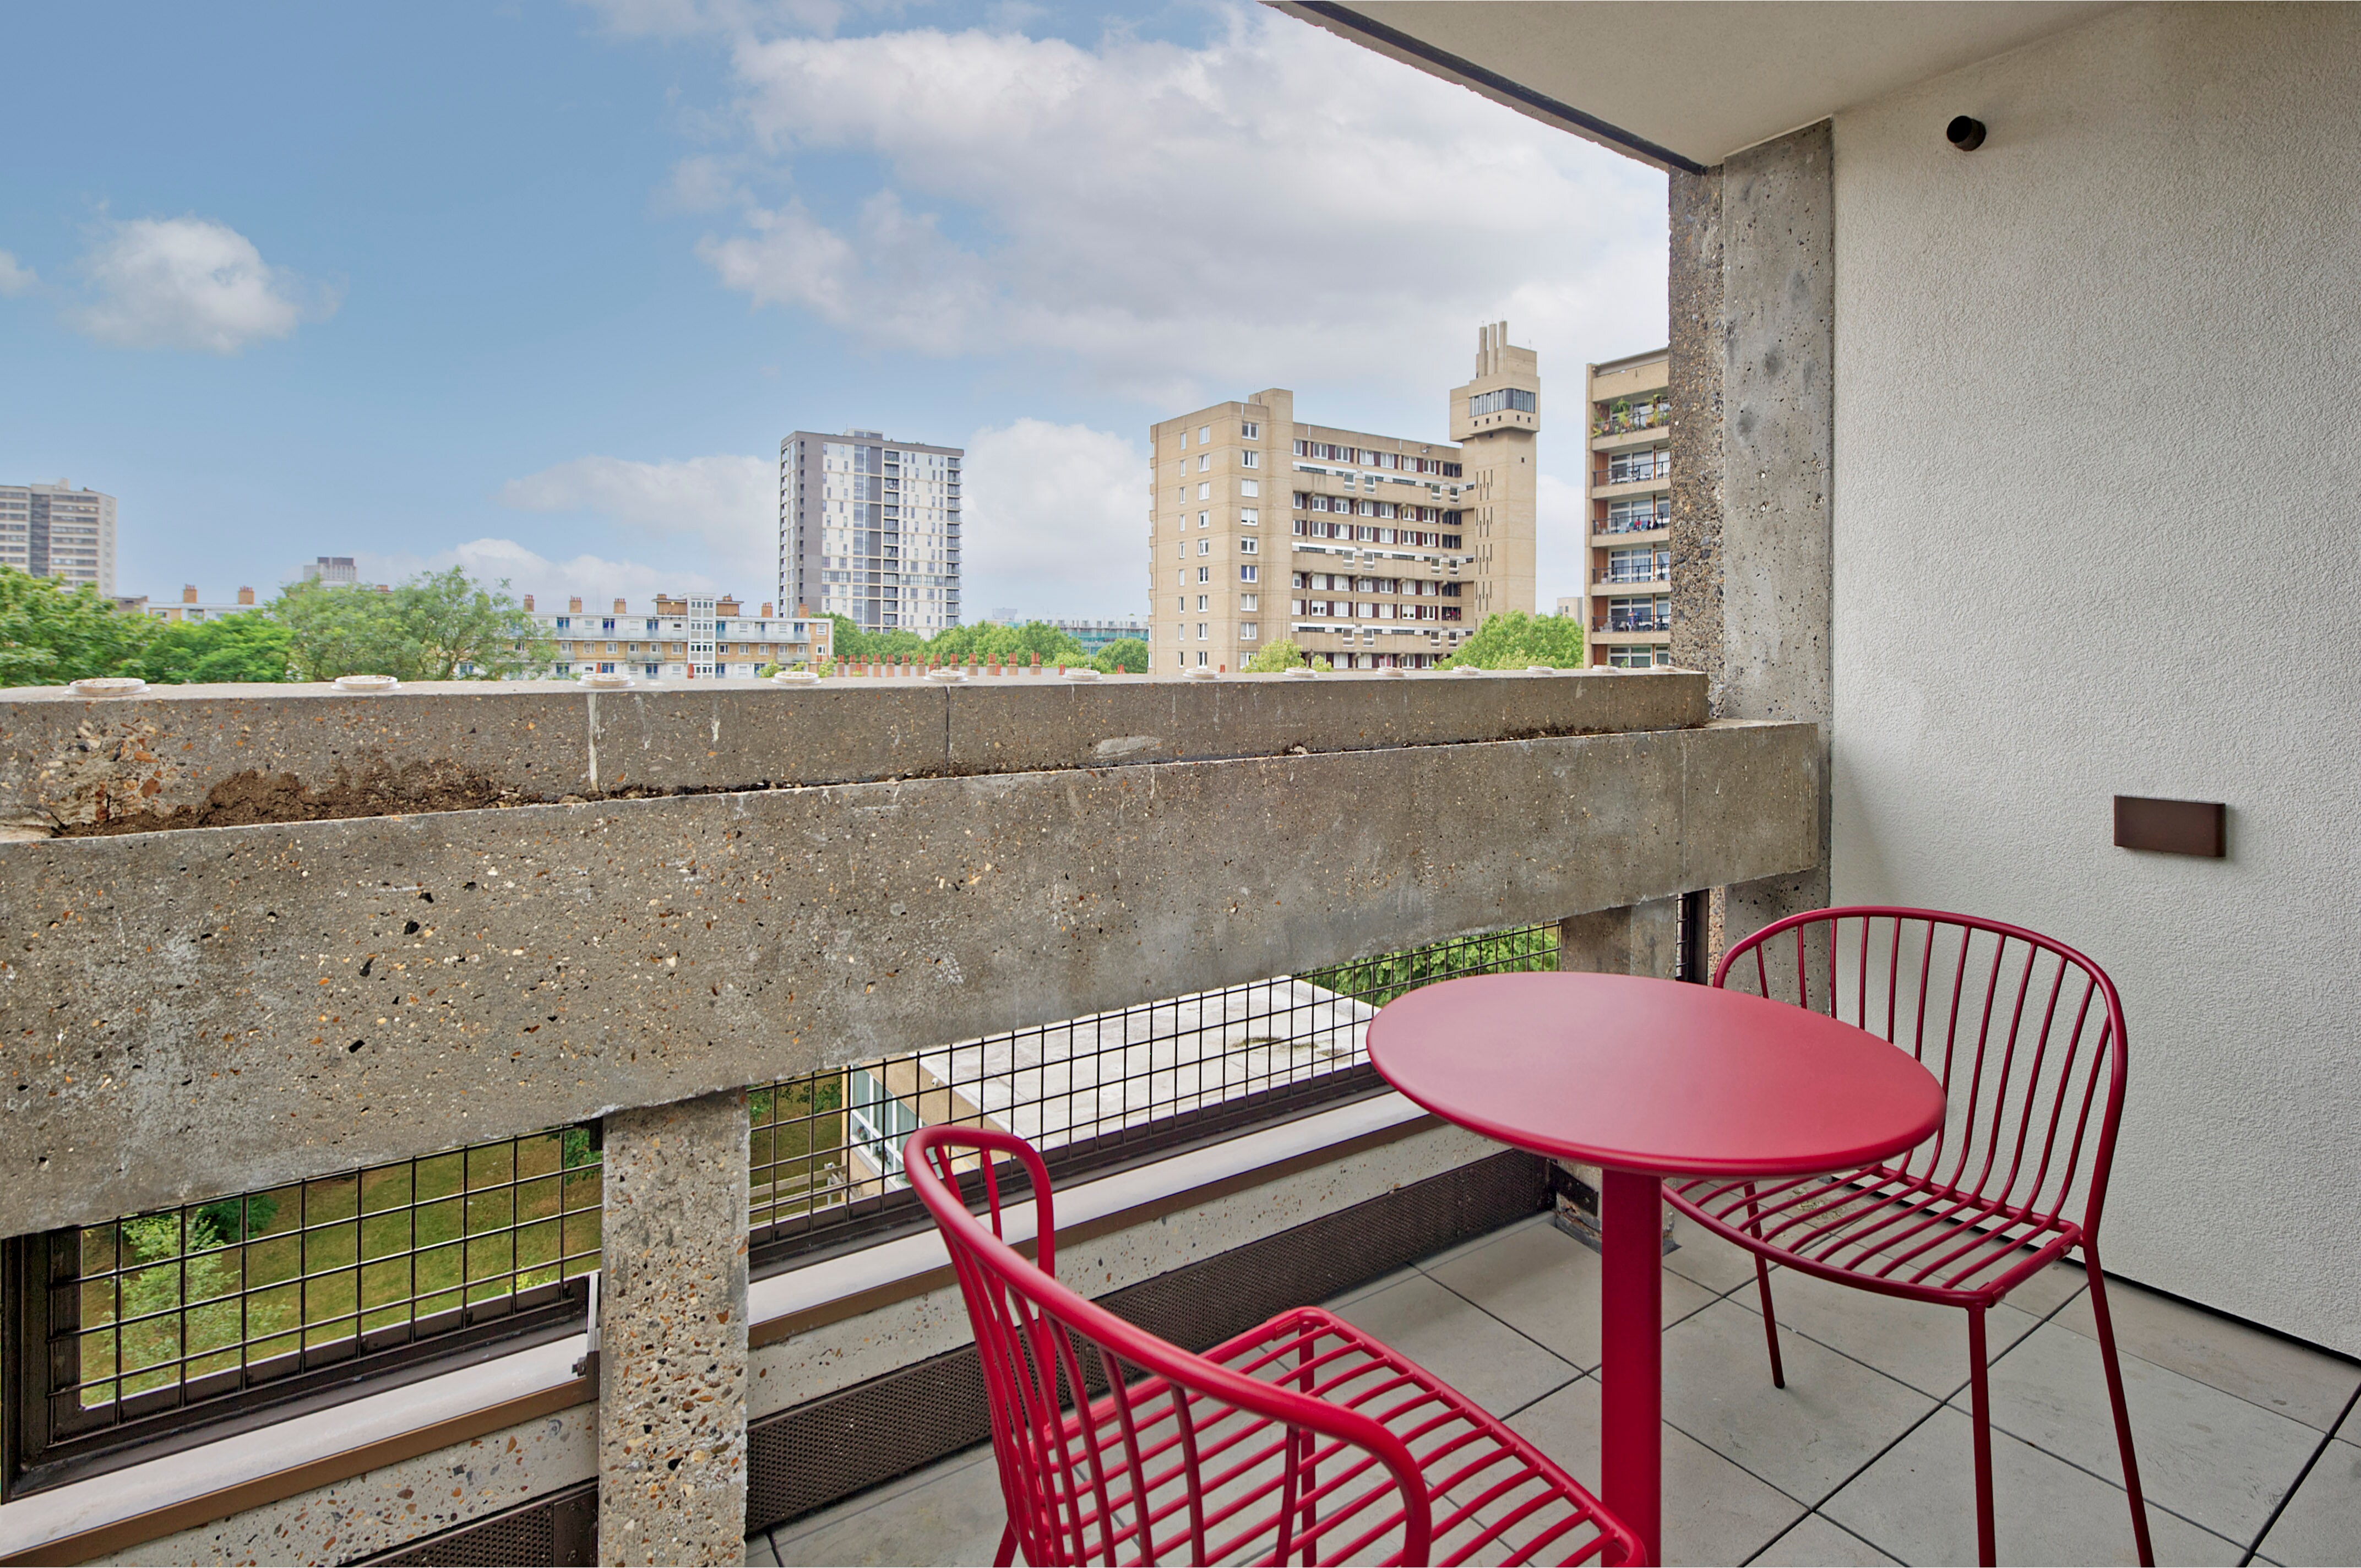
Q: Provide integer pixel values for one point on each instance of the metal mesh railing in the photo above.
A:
(159, 1322)
(149, 1314)
(1090, 1093)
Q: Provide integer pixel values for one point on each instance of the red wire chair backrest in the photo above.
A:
(1115, 1445)
(2024, 1034)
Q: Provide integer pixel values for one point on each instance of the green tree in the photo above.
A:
(1512, 639)
(235, 648)
(1125, 655)
(455, 622)
(426, 629)
(49, 635)
(1272, 658)
(991, 643)
(343, 629)
(854, 644)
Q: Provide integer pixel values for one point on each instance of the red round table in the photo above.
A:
(1647, 1079)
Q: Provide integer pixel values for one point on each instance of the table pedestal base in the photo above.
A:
(1632, 1344)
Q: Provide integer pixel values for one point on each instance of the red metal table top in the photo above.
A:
(1654, 1075)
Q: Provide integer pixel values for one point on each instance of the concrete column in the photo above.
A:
(1638, 939)
(671, 1334)
(1694, 370)
(1753, 371)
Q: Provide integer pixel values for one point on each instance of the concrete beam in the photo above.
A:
(184, 1015)
(226, 756)
(671, 1334)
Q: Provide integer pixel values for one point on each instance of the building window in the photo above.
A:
(1205, 574)
(880, 1126)
(1630, 658)
(1204, 434)
(1248, 631)
(1249, 459)
(1200, 636)
(1201, 604)
(1631, 514)
(1249, 546)
(1641, 566)
(1204, 461)
(1204, 547)
(1249, 602)
(1250, 487)
(1249, 517)
(1249, 430)
(1249, 574)
(1202, 659)
(1204, 492)
(1648, 462)
(1496, 403)
(1204, 519)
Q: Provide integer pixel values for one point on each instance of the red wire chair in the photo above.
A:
(1303, 1439)
(2026, 1035)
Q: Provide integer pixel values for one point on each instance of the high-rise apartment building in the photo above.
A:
(332, 570)
(56, 530)
(869, 529)
(1627, 611)
(1370, 552)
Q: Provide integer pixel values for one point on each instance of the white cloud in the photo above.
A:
(190, 283)
(1171, 216)
(595, 580)
(1056, 521)
(728, 503)
(14, 279)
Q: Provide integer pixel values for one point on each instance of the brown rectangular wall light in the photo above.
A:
(2169, 827)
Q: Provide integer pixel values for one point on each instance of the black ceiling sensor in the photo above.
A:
(1966, 133)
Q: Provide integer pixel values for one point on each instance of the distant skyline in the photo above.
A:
(536, 290)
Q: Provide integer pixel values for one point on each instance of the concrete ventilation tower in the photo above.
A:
(1496, 417)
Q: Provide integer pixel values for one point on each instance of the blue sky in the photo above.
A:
(537, 288)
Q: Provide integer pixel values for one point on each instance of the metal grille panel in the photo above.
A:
(559, 1529)
(148, 1324)
(1090, 1093)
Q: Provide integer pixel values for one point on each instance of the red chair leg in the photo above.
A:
(1770, 1322)
(1762, 1288)
(1007, 1552)
(2123, 1409)
(1987, 1547)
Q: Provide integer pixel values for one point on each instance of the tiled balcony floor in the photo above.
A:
(1863, 1457)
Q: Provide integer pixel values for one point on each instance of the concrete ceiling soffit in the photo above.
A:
(1684, 85)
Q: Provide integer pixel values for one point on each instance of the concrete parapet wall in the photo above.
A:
(194, 1013)
(218, 756)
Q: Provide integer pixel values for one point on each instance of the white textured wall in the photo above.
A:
(2098, 530)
